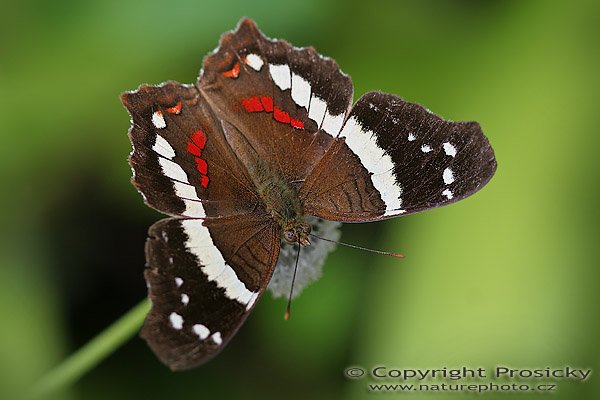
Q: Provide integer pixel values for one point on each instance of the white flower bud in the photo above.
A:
(311, 259)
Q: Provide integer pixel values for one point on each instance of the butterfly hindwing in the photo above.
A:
(204, 277)
(392, 158)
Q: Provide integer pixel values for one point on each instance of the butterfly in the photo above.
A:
(266, 137)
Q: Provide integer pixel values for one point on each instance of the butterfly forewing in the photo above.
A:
(203, 280)
(288, 103)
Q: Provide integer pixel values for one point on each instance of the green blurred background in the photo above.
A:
(507, 277)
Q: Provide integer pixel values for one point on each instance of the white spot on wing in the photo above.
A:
(411, 137)
(254, 61)
(162, 147)
(193, 209)
(317, 110)
(449, 149)
(185, 191)
(300, 91)
(201, 330)
(178, 281)
(176, 320)
(172, 170)
(185, 299)
(375, 160)
(333, 123)
(425, 148)
(193, 205)
(158, 120)
(448, 194)
(216, 337)
(212, 263)
(448, 176)
(280, 75)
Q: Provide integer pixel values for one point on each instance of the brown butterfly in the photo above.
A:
(266, 137)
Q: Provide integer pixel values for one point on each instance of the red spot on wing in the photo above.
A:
(195, 150)
(195, 146)
(252, 104)
(233, 72)
(201, 166)
(280, 115)
(296, 123)
(267, 103)
(199, 138)
(176, 109)
(204, 181)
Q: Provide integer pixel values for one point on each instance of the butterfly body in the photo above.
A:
(277, 193)
(267, 137)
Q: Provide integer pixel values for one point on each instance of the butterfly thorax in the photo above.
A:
(276, 191)
(282, 202)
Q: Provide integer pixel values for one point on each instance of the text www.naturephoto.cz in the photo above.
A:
(448, 387)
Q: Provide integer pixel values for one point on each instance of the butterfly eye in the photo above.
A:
(290, 236)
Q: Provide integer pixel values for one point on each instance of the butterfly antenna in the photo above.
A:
(289, 305)
(385, 253)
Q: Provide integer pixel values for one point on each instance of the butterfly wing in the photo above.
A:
(385, 158)
(203, 278)
(393, 158)
(289, 103)
(204, 273)
(181, 162)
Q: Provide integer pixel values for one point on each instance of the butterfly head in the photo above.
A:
(298, 233)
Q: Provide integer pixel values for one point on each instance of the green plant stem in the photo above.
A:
(92, 353)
